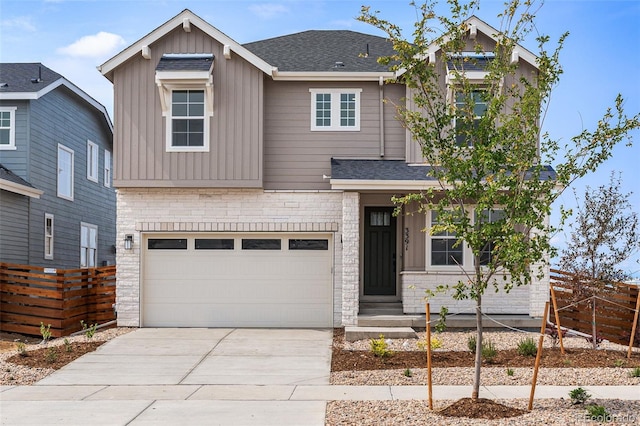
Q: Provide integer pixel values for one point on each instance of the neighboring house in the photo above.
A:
(57, 201)
(255, 182)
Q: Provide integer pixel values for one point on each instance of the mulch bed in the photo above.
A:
(54, 357)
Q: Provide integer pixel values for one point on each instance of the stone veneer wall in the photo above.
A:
(220, 210)
(529, 300)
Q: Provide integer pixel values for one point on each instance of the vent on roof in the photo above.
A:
(39, 79)
(3, 85)
(338, 64)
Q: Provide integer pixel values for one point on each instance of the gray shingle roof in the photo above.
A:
(7, 174)
(321, 50)
(18, 77)
(186, 62)
(392, 170)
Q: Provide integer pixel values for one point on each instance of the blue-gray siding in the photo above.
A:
(14, 226)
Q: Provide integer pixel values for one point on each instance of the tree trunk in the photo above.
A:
(478, 360)
(594, 331)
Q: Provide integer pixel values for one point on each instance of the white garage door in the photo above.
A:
(247, 280)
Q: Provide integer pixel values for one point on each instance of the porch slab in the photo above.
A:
(359, 333)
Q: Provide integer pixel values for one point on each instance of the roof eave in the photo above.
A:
(109, 66)
(331, 76)
(17, 188)
(373, 185)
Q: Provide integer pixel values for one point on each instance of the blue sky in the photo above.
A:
(601, 57)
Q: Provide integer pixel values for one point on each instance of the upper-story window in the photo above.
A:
(335, 109)
(8, 127)
(88, 245)
(65, 172)
(470, 108)
(107, 168)
(92, 161)
(185, 82)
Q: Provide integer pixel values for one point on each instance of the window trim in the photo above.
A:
(90, 227)
(429, 249)
(107, 168)
(50, 243)
(71, 174)
(335, 109)
(93, 156)
(12, 128)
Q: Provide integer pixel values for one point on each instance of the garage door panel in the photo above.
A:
(238, 288)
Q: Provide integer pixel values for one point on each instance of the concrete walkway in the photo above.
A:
(216, 376)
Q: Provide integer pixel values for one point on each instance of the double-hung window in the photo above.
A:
(446, 250)
(488, 217)
(88, 245)
(107, 168)
(470, 108)
(8, 128)
(335, 109)
(185, 82)
(48, 236)
(65, 172)
(92, 161)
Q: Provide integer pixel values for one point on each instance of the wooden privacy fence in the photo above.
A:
(608, 308)
(30, 295)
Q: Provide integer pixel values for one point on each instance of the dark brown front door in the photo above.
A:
(379, 251)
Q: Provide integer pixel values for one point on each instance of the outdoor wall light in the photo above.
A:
(128, 242)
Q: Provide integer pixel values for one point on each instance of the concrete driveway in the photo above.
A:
(183, 376)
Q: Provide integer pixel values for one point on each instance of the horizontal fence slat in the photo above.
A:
(30, 296)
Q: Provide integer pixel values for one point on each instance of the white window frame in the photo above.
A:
(88, 245)
(93, 153)
(48, 236)
(12, 128)
(430, 238)
(335, 112)
(62, 148)
(107, 168)
(205, 124)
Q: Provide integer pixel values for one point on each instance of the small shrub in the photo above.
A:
(510, 372)
(489, 351)
(67, 346)
(471, 343)
(45, 331)
(22, 349)
(579, 396)
(408, 373)
(52, 355)
(380, 348)
(89, 330)
(598, 413)
(619, 363)
(435, 344)
(527, 347)
(635, 372)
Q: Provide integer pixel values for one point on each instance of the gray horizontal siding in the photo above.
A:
(14, 228)
(297, 158)
(17, 160)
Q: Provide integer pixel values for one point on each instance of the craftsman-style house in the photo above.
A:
(255, 182)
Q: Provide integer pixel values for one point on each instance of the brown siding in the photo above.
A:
(235, 156)
(296, 157)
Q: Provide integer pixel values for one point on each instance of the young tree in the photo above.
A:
(484, 144)
(605, 234)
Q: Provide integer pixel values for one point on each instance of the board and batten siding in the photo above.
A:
(297, 158)
(235, 155)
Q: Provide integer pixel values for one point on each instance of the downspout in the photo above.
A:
(381, 84)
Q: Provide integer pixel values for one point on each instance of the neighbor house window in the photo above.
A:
(8, 127)
(65, 172)
(335, 109)
(48, 236)
(107, 168)
(88, 245)
(470, 108)
(446, 250)
(92, 161)
(488, 216)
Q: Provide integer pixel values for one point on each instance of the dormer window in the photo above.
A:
(185, 82)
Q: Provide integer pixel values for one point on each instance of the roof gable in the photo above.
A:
(30, 81)
(185, 19)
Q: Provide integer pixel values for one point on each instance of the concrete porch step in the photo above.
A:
(359, 333)
(365, 320)
(380, 308)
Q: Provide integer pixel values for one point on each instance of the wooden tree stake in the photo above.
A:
(429, 385)
(538, 355)
(557, 315)
(635, 324)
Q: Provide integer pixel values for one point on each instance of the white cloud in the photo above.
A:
(268, 10)
(99, 45)
(20, 23)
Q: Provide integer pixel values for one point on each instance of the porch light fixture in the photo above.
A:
(128, 242)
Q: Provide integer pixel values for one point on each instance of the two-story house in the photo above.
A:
(255, 182)
(57, 201)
